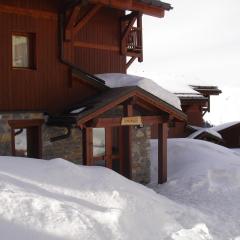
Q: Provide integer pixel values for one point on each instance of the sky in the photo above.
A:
(198, 42)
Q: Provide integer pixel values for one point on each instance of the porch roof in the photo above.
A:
(111, 98)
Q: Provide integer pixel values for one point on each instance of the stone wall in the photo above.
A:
(141, 154)
(69, 148)
(5, 130)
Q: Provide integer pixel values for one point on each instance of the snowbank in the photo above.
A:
(204, 176)
(56, 199)
(224, 126)
(115, 80)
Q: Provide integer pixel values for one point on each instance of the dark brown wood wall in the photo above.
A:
(47, 87)
(231, 137)
(102, 30)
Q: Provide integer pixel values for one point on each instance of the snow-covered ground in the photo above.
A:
(57, 200)
(206, 177)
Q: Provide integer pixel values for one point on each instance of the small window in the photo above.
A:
(23, 55)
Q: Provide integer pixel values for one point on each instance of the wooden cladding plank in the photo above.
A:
(28, 12)
(96, 46)
(162, 152)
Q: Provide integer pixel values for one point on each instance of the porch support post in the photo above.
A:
(127, 143)
(162, 152)
(108, 144)
(87, 146)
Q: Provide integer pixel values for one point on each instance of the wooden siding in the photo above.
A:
(47, 87)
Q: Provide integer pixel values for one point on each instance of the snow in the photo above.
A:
(225, 126)
(114, 80)
(205, 177)
(57, 200)
(208, 130)
(79, 110)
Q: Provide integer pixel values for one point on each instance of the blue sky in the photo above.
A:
(198, 42)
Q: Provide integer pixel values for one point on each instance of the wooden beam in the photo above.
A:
(96, 46)
(116, 122)
(28, 12)
(71, 22)
(162, 152)
(87, 18)
(87, 146)
(129, 63)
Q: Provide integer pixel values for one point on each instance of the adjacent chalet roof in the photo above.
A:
(207, 90)
(226, 126)
(198, 93)
(205, 132)
(114, 80)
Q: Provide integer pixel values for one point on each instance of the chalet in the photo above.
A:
(195, 103)
(51, 98)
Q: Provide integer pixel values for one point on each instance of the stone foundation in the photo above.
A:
(69, 148)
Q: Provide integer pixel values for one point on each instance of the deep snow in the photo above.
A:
(57, 200)
(206, 177)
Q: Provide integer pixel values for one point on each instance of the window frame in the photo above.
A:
(31, 50)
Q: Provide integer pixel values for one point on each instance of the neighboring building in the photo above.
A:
(227, 134)
(52, 108)
(230, 133)
(195, 104)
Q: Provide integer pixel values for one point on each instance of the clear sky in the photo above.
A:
(198, 42)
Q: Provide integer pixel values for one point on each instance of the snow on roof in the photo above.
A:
(207, 130)
(115, 80)
(225, 126)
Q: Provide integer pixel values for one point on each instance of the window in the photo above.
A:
(23, 50)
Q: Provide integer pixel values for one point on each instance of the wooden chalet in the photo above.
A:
(51, 51)
(195, 104)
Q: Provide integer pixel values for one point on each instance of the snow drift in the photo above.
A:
(59, 200)
(206, 177)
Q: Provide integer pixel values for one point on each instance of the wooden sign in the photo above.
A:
(129, 121)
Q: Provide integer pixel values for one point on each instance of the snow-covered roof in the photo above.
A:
(225, 126)
(205, 130)
(115, 80)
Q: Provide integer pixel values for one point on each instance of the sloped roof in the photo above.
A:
(206, 131)
(113, 97)
(225, 126)
(157, 3)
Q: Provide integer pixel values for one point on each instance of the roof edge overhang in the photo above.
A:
(135, 92)
(153, 8)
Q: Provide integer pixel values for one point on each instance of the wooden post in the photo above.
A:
(87, 146)
(126, 143)
(162, 152)
(108, 147)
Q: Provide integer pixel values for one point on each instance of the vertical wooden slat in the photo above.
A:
(162, 152)
(87, 146)
(108, 147)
